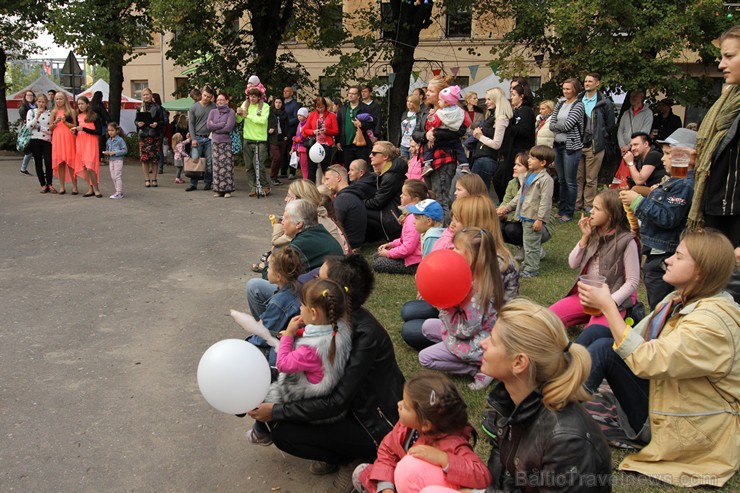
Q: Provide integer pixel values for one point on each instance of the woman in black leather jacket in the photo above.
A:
(542, 438)
(350, 423)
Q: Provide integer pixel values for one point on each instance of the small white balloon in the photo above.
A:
(233, 376)
(317, 153)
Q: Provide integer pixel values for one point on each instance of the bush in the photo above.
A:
(8, 140)
(132, 142)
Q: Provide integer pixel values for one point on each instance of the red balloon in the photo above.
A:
(444, 278)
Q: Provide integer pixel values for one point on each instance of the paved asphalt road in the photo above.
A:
(108, 306)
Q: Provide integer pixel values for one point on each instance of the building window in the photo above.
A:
(329, 87)
(137, 86)
(535, 83)
(459, 24)
(387, 26)
(181, 87)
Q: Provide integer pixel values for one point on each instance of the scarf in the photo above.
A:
(713, 130)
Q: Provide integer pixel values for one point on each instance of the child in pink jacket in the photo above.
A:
(402, 255)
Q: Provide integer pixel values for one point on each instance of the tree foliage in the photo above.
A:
(212, 38)
(19, 27)
(647, 43)
(106, 32)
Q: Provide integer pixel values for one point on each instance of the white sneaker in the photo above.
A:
(427, 170)
(116, 196)
(519, 254)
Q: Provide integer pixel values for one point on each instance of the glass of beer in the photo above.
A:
(680, 156)
(597, 282)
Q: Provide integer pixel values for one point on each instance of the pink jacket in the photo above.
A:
(445, 241)
(300, 359)
(465, 468)
(408, 246)
(415, 165)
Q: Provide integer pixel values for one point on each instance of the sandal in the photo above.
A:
(147, 183)
(154, 183)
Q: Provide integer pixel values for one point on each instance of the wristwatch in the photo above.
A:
(631, 164)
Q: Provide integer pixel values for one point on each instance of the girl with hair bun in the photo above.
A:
(542, 438)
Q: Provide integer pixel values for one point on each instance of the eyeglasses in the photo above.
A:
(375, 153)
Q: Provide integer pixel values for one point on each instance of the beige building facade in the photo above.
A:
(444, 48)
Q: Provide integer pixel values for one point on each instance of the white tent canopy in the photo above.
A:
(128, 104)
(41, 85)
(487, 83)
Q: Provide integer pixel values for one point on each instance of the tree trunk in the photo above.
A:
(4, 124)
(268, 27)
(411, 20)
(116, 88)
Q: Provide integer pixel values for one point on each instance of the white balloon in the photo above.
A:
(317, 153)
(233, 376)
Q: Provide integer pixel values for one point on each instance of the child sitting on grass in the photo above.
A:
(428, 216)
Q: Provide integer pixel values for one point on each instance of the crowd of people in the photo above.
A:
(472, 180)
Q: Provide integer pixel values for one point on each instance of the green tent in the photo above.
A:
(182, 104)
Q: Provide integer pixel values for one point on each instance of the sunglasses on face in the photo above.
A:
(375, 153)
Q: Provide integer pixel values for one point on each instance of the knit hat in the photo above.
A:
(427, 207)
(303, 112)
(254, 80)
(450, 95)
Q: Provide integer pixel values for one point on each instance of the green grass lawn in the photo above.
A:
(392, 291)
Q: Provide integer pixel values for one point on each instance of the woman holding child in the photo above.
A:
(345, 428)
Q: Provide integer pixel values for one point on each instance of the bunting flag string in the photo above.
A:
(473, 71)
(455, 71)
(436, 71)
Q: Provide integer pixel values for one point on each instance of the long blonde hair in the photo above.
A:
(503, 106)
(482, 252)
(305, 189)
(479, 211)
(560, 367)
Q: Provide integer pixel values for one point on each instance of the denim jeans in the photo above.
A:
(414, 313)
(566, 166)
(203, 149)
(259, 293)
(630, 390)
(485, 167)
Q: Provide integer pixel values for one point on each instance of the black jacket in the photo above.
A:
(350, 210)
(488, 129)
(369, 391)
(442, 136)
(536, 449)
(157, 116)
(599, 124)
(387, 199)
(519, 134)
(272, 123)
(367, 186)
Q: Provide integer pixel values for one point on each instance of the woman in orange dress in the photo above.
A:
(88, 152)
(63, 143)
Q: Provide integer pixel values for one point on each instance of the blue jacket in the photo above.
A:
(663, 213)
(281, 307)
(117, 145)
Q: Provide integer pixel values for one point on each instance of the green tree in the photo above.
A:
(106, 32)
(20, 24)
(630, 43)
(221, 50)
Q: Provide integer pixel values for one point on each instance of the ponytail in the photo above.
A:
(557, 365)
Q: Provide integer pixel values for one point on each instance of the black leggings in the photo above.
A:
(340, 442)
(41, 149)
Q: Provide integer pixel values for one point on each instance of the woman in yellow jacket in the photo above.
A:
(686, 353)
